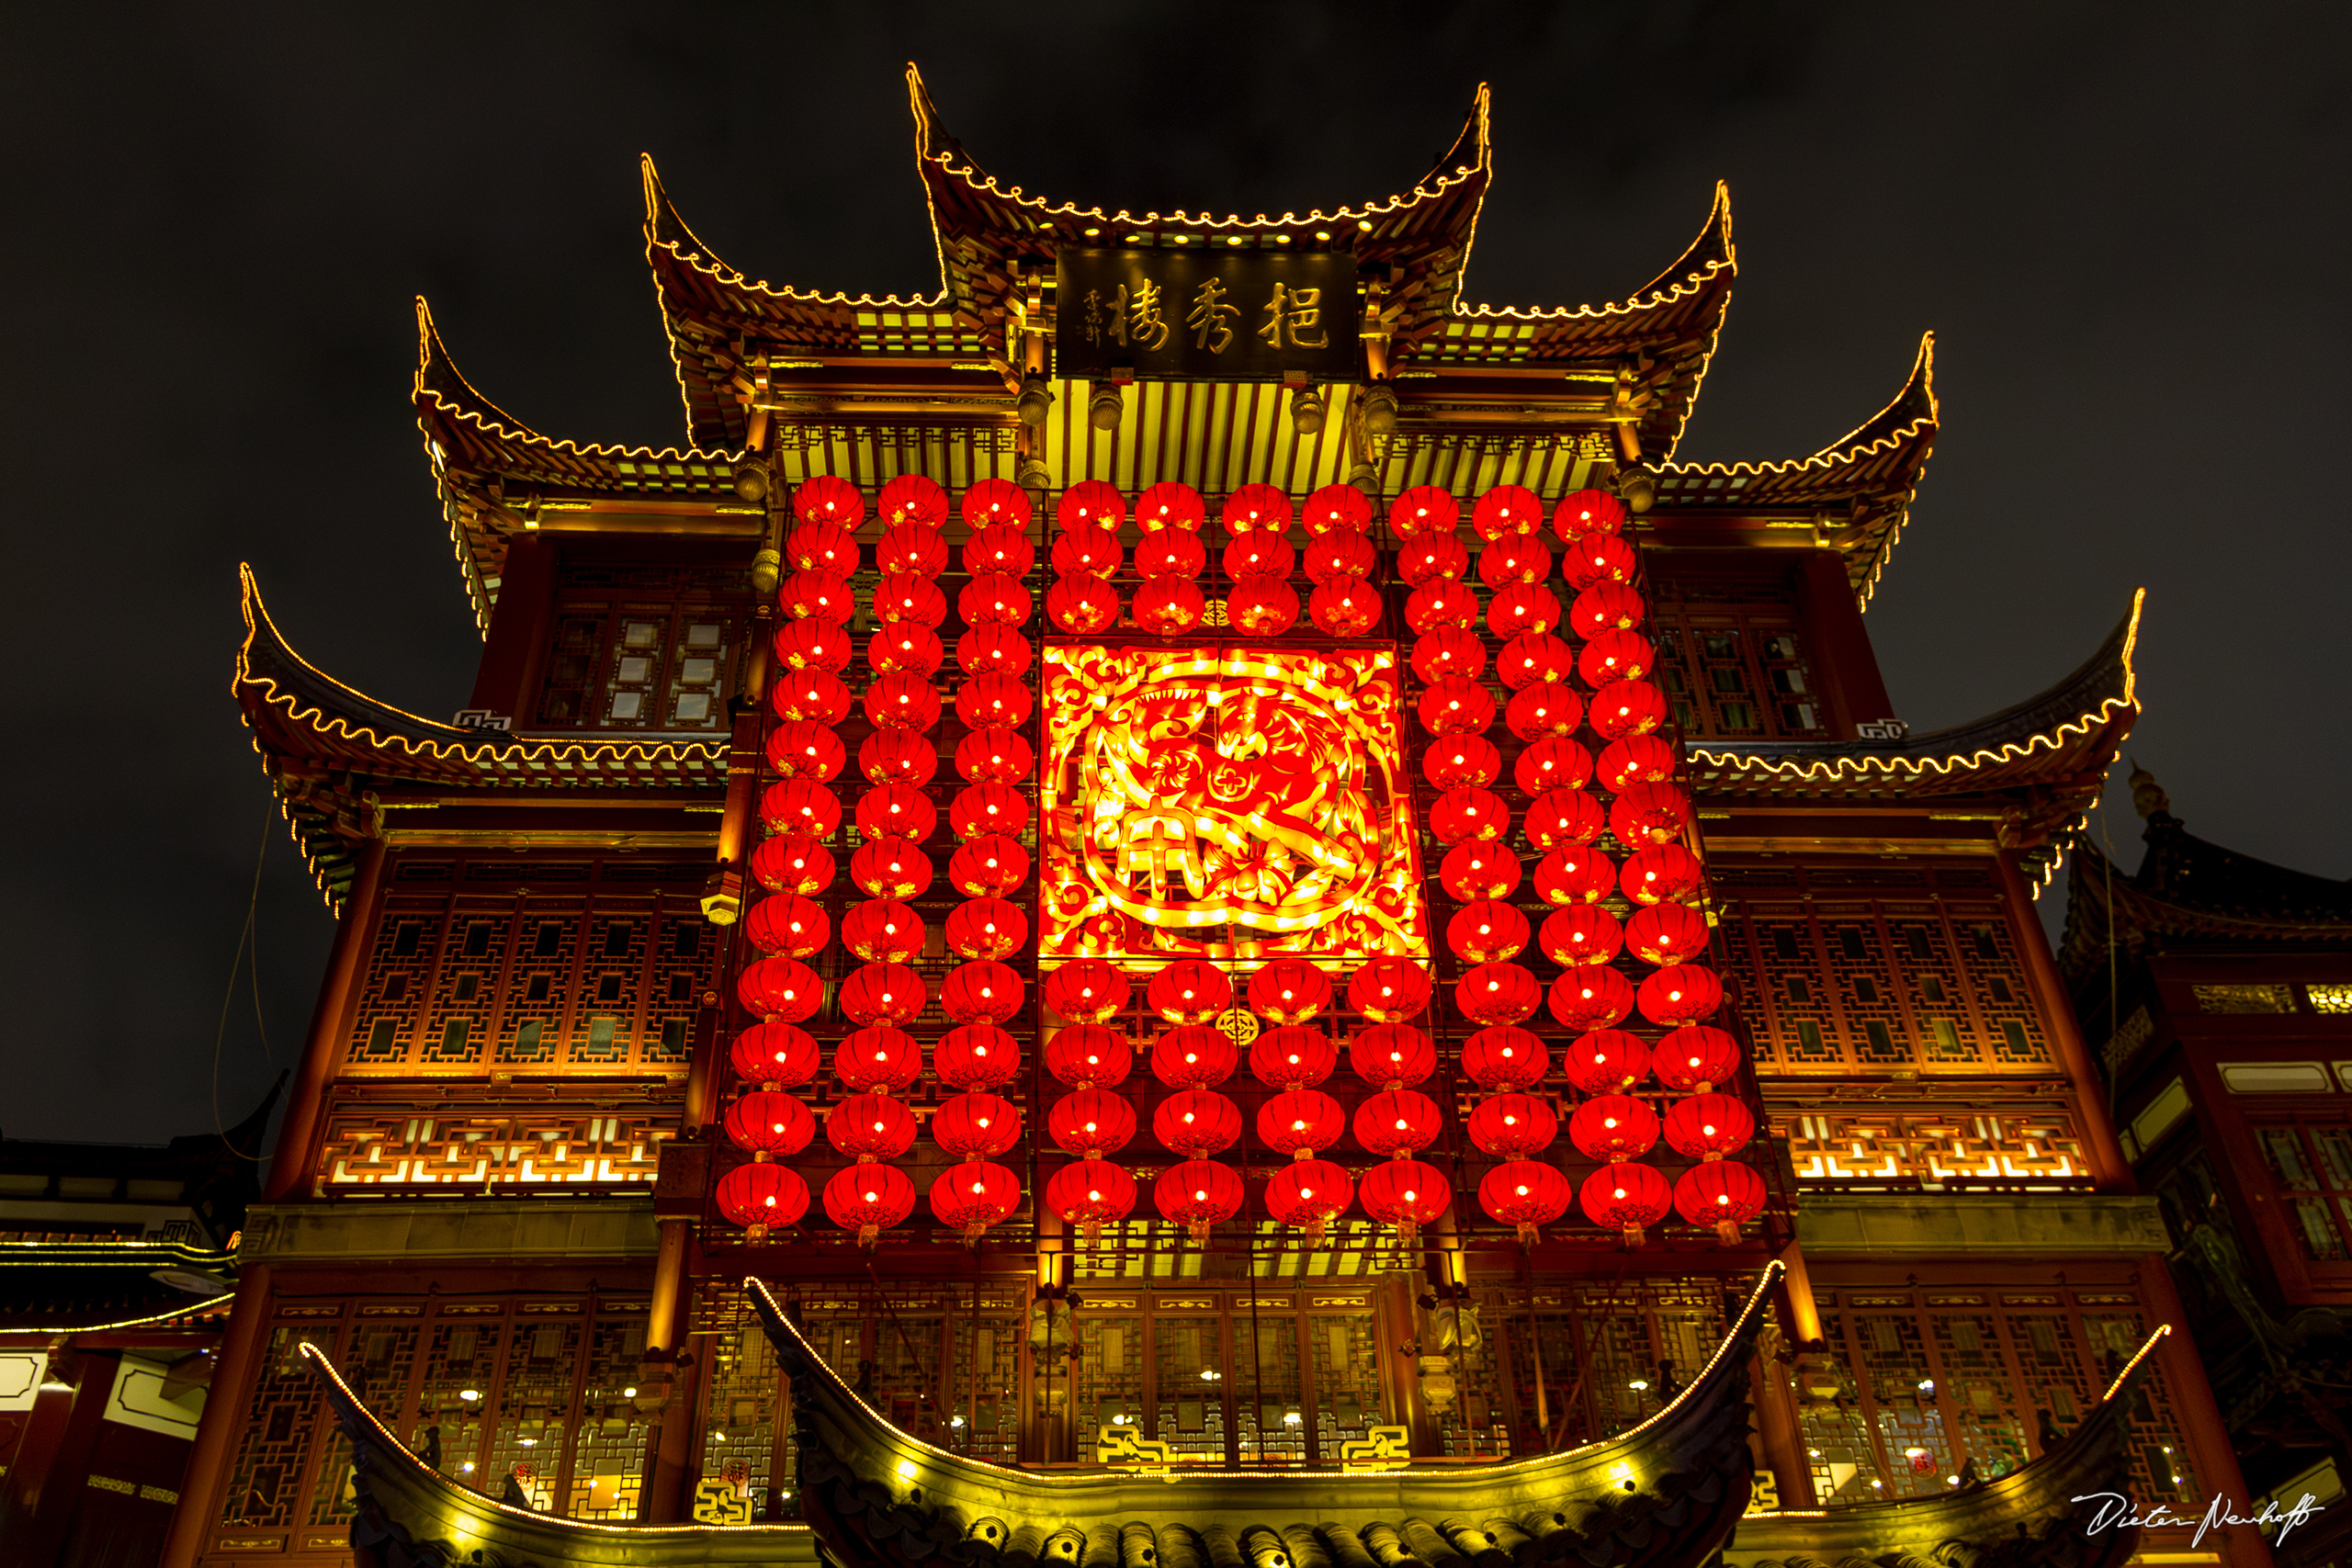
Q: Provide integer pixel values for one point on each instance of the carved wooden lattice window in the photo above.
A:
(381, 1357)
(2311, 1170)
(1108, 1375)
(1610, 1357)
(1954, 1149)
(987, 1390)
(485, 1145)
(1267, 1390)
(1189, 1372)
(1346, 1357)
(1733, 659)
(464, 1356)
(531, 1431)
(736, 1443)
(642, 646)
(285, 1428)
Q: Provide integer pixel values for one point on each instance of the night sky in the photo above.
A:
(2125, 222)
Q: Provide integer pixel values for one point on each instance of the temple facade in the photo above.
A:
(1190, 885)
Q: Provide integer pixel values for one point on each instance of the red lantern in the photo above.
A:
(1698, 1058)
(974, 1195)
(995, 598)
(806, 751)
(1649, 814)
(1391, 1055)
(1449, 652)
(995, 501)
(989, 650)
(1467, 813)
(1546, 710)
(1081, 605)
(1592, 997)
(827, 498)
(913, 498)
(895, 811)
(1191, 990)
(1170, 553)
(1552, 762)
(1091, 1194)
(1575, 874)
(1663, 873)
(1637, 759)
(879, 1061)
(810, 694)
(792, 863)
(1513, 1126)
(1505, 1058)
(987, 928)
(1339, 507)
(890, 868)
(1607, 607)
(1686, 993)
(1289, 990)
(1259, 555)
(995, 755)
(1721, 1193)
(767, 1124)
(1534, 659)
(1255, 508)
(883, 993)
(1514, 561)
(1563, 817)
(977, 1125)
(1261, 606)
(1082, 552)
(1087, 1055)
(906, 597)
(774, 1056)
(1627, 707)
(987, 808)
(822, 546)
(1453, 760)
(1456, 705)
(870, 1126)
(762, 1197)
(1581, 933)
(1612, 1127)
(1598, 558)
(977, 1057)
(1307, 1193)
(1404, 1193)
(987, 700)
(1193, 1055)
(1086, 990)
(1707, 1126)
(1606, 1061)
(1397, 1121)
(779, 990)
(1345, 606)
(1507, 511)
(1487, 931)
(1091, 503)
(1439, 603)
(1000, 547)
(1196, 1122)
(1521, 607)
(1475, 869)
(868, 1199)
(1293, 1056)
(1497, 993)
(1345, 553)
(1433, 557)
(896, 756)
(1197, 1194)
(990, 866)
(912, 547)
(1090, 1122)
(811, 645)
(1424, 509)
(1170, 607)
(1587, 511)
(1625, 1197)
(1170, 503)
(1389, 990)
(1667, 933)
(1524, 1194)
(817, 595)
(1615, 656)
(981, 990)
(789, 924)
(799, 806)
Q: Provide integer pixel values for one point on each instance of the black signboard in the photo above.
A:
(1207, 314)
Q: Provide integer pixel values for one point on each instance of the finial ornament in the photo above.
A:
(2148, 797)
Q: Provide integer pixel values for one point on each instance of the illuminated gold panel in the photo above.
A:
(1226, 803)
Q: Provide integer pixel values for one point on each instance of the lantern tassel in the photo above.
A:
(1315, 1229)
(1298, 1154)
(1729, 1231)
(1632, 1237)
(756, 1233)
(972, 1235)
(1529, 1235)
(1199, 1230)
(867, 1236)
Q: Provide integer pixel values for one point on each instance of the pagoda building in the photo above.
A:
(1187, 887)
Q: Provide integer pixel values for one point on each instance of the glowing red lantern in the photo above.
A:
(1345, 606)
(1612, 1127)
(1391, 1055)
(1293, 1056)
(1084, 551)
(1546, 710)
(1667, 933)
(1397, 1121)
(1342, 553)
(1615, 656)
(1424, 509)
(915, 549)
(1476, 869)
(987, 928)
(1696, 1057)
(812, 694)
(868, 1199)
(1637, 759)
(1449, 653)
(895, 810)
(806, 751)
(896, 756)
(811, 645)
(1389, 990)
(1253, 508)
(767, 1124)
(1561, 818)
(1259, 555)
(789, 924)
(1649, 813)
(1191, 990)
(883, 930)
(1663, 873)
(1552, 762)
(774, 1056)
(822, 546)
(1487, 931)
(1091, 503)
(1592, 997)
(1724, 1194)
(1512, 562)
(1454, 706)
(1170, 553)
(1193, 1055)
(1524, 1194)
(1170, 607)
(1307, 1194)
(1433, 557)
(1598, 558)
(816, 595)
(870, 1126)
(828, 499)
(1197, 1194)
(1534, 659)
(906, 597)
(890, 868)
(1453, 760)
(990, 650)
(994, 597)
(981, 990)
(994, 501)
(1497, 993)
(1170, 503)
(1575, 874)
(883, 993)
(1521, 607)
(997, 755)
(1607, 607)
(987, 700)
(1336, 507)
(1261, 606)
(1087, 1055)
(792, 863)
(1581, 933)
(799, 806)
(1505, 1058)
(1439, 603)
(1625, 1197)
(779, 990)
(1627, 707)
(987, 808)
(1507, 511)
(1090, 1122)
(1404, 1193)
(1513, 1125)
(1002, 547)
(1686, 993)
(879, 1061)
(1587, 511)
(1091, 1194)
(1081, 605)
(913, 498)
(1086, 990)
(974, 1195)
(977, 1125)
(762, 1197)
(1606, 1061)
(992, 864)
(1707, 1126)
(1289, 990)
(1196, 1122)
(977, 1057)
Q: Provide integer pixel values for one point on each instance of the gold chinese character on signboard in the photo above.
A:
(1143, 316)
(1294, 313)
(1209, 317)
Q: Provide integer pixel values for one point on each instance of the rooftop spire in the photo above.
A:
(2148, 797)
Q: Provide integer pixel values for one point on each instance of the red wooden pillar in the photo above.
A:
(2113, 1171)
(292, 1164)
(52, 1466)
(225, 1405)
(2213, 1460)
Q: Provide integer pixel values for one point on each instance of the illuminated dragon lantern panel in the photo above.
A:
(1226, 803)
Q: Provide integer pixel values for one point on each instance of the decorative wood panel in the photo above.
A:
(1947, 1150)
(488, 1145)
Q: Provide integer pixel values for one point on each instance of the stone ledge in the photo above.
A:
(1911, 1227)
(475, 1228)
